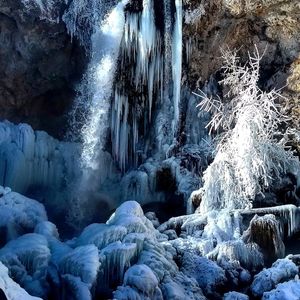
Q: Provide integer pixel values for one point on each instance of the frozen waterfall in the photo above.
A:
(150, 57)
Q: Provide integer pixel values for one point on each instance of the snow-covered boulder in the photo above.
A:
(281, 270)
(130, 215)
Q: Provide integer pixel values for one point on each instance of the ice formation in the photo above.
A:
(27, 259)
(18, 214)
(11, 289)
(265, 232)
(284, 291)
(138, 143)
(266, 280)
(40, 161)
(188, 257)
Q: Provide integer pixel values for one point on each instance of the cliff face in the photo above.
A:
(39, 63)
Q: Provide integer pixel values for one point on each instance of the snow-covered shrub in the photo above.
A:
(249, 155)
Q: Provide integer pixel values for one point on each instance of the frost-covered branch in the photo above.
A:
(248, 156)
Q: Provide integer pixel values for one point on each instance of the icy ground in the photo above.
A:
(132, 256)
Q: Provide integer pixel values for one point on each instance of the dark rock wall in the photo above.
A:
(38, 64)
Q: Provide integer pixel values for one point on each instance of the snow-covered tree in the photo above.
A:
(249, 156)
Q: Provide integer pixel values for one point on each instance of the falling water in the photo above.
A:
(105, 50)
(177, 61)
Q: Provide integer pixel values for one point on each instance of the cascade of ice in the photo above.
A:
(152, 59)
(177, 61)
(142, 49)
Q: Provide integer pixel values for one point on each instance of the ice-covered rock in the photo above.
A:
(82, 262)
(210, 277)
(284, 291)
(47, 229)
(18, 214)
(265, 232)
(235, 296)
(281, 270)
(101, 235)
(288, 217)
(141, 278)
(11, 289)
(181, 287)
(130, 215)
(27, 259)
(248, 255)
(157, 259)
(73, 288)
(115, 259)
